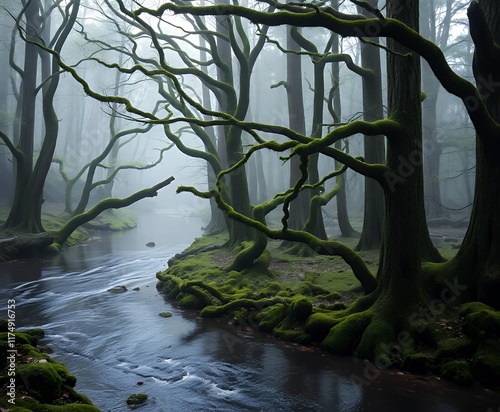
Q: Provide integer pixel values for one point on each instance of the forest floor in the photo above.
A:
(288, 294)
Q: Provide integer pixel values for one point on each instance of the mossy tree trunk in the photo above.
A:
(22, 197)
(477, 263)
(296, 122)
(381, 317)
(374, 146)
(27, 208)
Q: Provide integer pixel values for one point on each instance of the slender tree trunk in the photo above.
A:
(217, 222)
(296, 121)
(433, 150)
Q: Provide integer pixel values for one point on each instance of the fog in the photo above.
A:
(156, 69)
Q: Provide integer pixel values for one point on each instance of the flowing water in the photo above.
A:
(117, 344)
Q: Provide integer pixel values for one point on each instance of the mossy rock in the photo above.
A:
(166, 314)
(482, 325)
(137, 399)
(319, 324)
(271, 317)
(455, 348)
(457, 371)
(471, 307)
(417, 363)
(41, 380)
(301, 309)
(486, 365)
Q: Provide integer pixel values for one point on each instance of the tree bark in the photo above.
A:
(374, 146)
(477, 264)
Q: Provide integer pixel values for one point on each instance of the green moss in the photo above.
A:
(217, 311)
(301, 309)
(188, 301)
(486, 365)
(41, 380)
(482, 325)
(21, 338)
(417, 363)
(344, 337)
(319, 324)
(457, 371)
(455, 348)
(336, 306)
(271, 317)
(426, 334)
(137, 399)
(166, 314)
(471, 307)
(379, 334)
(271, 289)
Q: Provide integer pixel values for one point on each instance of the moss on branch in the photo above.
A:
(60, 236)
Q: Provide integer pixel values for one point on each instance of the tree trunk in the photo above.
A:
(433, 150)
(296, 122)
(373, 109)
(230, 145)
(477, 263)
(26, 137)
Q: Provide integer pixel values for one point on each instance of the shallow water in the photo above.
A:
(116, 344)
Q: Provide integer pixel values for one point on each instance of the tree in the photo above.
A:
(477, 263)
(31, 175)
(371, 234)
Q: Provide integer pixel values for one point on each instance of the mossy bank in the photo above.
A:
(32, 380)
(15, 245)
(299, 299)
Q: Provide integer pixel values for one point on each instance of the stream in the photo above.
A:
(117, 344)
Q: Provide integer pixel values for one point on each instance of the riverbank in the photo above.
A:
(296, 299)
(15, 244)
(31, 379)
